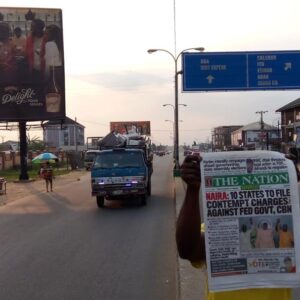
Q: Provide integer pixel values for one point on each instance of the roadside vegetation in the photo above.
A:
(33, 172)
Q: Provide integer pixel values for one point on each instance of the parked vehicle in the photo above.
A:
(89, 158)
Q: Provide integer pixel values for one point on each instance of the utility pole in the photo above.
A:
(76, 137)
(262, 126)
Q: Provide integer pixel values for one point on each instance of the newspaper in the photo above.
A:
(252, 222)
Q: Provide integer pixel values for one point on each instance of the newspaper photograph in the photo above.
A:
(251, 210)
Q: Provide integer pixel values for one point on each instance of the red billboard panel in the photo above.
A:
(142, 127)
(32, 80)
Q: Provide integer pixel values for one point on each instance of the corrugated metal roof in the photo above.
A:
(293, 104)
(256, 126)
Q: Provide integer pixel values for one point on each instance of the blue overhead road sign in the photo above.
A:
(236, 71)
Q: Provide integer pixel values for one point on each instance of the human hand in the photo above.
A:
(190, 171)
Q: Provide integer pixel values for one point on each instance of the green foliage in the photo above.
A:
(13, 174)
(35, 144)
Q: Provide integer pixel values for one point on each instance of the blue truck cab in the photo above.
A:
(121, 173)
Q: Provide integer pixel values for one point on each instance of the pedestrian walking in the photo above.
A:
(47, 174)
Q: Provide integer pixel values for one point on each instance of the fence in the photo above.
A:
(11, 159)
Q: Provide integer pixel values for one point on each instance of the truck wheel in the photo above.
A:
(149, 188)
(144, 200)
(100, 201)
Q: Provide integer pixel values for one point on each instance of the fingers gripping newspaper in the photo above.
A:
(251, 212)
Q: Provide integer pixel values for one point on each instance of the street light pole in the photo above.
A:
(176, 127)
(173, 126)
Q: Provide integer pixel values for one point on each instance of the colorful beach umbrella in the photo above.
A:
(44, 157)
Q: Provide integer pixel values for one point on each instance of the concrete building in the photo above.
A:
(257, 135)
(221, 137)
(67, 136)
(290, 125)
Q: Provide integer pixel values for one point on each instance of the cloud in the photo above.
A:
(123, 81)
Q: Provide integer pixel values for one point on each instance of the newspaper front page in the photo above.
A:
(251, 214)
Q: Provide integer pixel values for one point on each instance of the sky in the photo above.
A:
(111, 77)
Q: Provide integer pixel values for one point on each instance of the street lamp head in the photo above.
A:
(168, 104)
(201, 49)
(176, 104)
(151, 50)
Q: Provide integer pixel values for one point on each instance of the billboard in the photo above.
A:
(142, 127)
(32, 79)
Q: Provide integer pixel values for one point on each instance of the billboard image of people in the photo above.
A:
(32, 81)
(125, 127)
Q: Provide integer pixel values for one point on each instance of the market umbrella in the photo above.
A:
(44, 157)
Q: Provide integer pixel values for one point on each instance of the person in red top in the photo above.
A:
(289, 266)
(47, 174)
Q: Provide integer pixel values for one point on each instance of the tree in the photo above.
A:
(35, 144)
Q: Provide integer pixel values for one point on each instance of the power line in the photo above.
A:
(183, 130)
(91, 122)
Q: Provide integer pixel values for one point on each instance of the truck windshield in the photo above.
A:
(119, 160)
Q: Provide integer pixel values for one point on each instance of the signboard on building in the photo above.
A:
(142, 127)
(32, 81)
(234, 71)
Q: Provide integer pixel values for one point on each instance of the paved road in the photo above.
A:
(61, 246)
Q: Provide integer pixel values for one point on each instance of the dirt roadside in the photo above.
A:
(21, 189)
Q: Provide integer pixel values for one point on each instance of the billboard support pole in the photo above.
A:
(23, 151)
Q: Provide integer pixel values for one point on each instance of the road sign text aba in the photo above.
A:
(236, 71)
